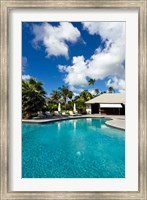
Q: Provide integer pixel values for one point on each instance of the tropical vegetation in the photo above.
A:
(81, 99)
(55, 96)
(34, 98)
(65, 94)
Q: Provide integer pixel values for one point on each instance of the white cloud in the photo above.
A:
(92, 91)
(55, 38)
(118, 84)
(105, 62)
(113, 31)
(108, 61)
(75, 73)
(61, 68)
(76, 94)
(26, 77)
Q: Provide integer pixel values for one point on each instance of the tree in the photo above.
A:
(96, 91)
(70, 94)
(55, 96)
(103, 92)
(110, 89)
(76, 98)
(85, 95)
(33, 97)
(81, 99)
(91, 81)
(65, 93)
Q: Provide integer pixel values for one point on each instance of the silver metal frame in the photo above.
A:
(141, 5)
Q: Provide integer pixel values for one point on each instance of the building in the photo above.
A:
(107, 103)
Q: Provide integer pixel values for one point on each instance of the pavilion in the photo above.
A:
(107, 103)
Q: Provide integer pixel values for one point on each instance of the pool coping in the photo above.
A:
(115, 121)
(111, 123)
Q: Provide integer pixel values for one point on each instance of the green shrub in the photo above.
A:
(52, 107)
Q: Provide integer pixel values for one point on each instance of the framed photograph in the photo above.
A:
(73, 99)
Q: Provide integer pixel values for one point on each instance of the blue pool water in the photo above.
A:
(79, 148)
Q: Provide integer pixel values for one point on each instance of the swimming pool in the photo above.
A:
(78, 148)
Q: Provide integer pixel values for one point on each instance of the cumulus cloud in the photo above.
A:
(92, 91)
(118, 84)
(75, 73)
(107, 61)
(55, 38)
(113, 31)
(26, 77)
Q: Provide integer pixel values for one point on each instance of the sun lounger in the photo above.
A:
(71, 113)
(64, 114)
(56, 113)
(40, 115)
(48, 114)
(74, 113)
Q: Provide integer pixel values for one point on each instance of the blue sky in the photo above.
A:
(70, 53)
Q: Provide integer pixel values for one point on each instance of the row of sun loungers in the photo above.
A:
(47, 114)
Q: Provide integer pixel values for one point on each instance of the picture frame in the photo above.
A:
(6, 6)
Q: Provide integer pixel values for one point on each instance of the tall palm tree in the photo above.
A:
(96, 91)
(70, 94)
(91, 81)
(55, 96)
(65, 93)
(110, 89)
(33, 97)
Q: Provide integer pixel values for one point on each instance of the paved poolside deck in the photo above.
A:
(116, 121)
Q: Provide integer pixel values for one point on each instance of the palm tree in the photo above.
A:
(103, 92)
(55, 96)
(33, 97)
(76, 98)
(110, 89)
(85, 95)
(96, 91)
(65, 93)
(70, 94)
(91, 81)
(81, 99)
